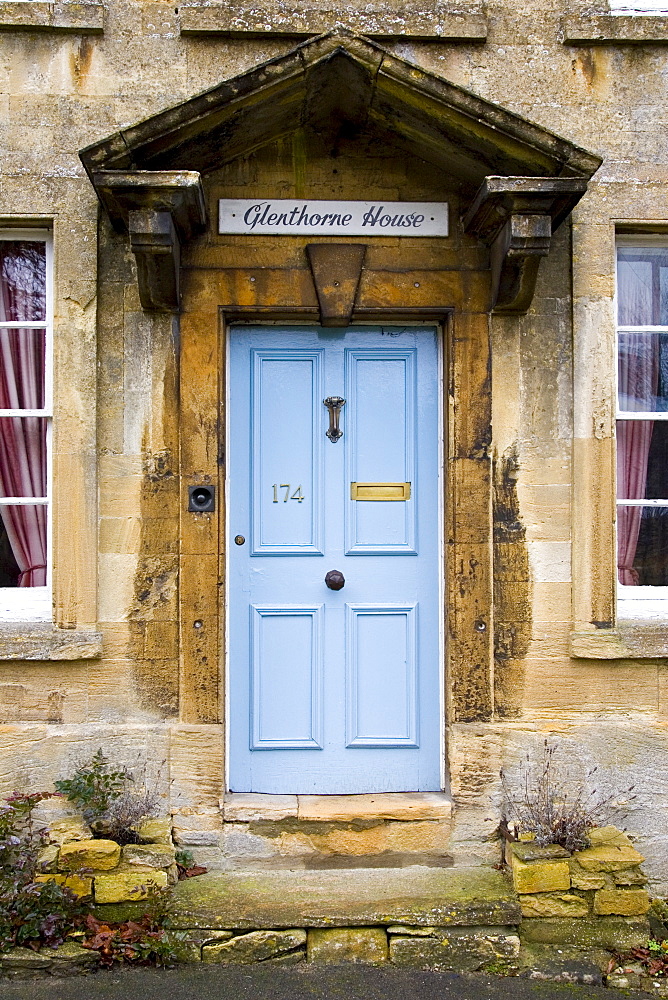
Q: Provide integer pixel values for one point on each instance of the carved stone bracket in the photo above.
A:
(160, 210)
(336, 270)
(515, 217)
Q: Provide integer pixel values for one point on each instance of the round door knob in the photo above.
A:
(335, 580)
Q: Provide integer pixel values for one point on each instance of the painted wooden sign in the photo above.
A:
(291, 217)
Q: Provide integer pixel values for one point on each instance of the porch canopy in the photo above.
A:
(519, 179)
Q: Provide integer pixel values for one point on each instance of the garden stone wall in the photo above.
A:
(105, 870)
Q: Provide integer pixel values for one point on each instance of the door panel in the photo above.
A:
(381, 656)
(334, 691)
(381, 417)
(287, 501)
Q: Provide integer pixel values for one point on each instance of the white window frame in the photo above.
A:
(637, 602)
(35, 603)
(641, 8)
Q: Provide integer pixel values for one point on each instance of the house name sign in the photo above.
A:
(292, 217)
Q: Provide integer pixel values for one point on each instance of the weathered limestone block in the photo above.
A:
(581, 879)
(257, 946)
(554, 905)
(624, 902)
(71, 957)
(631, 876)
(47, 858)
(155, 831)
(529, 851)
(99, 855)
(187, 945)
(411, 931)
(25, 958)
(77, 884)
(540, 876)
(62, 831)
(249, 807)
(128, 883)
(352, 945)
(195, 829)
(462, 950)
(610, 851)
(150, 855)
(614, 933)
(288, 958)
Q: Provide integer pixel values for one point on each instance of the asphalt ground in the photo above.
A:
(258, 983)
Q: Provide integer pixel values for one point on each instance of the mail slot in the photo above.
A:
(380, 491)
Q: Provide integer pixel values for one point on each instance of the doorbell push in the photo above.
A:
(202, 499)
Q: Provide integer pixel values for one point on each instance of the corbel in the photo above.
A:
(336, 269)
(516, 217)
(160, 210)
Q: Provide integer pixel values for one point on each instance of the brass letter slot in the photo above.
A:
(380, 491)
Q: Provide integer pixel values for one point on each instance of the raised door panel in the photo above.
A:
(286, 454)
(286, 678)
(382, 678)
(380, 449)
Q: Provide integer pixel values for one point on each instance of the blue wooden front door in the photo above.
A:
(334, 691)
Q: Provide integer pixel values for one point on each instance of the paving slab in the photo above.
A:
(417, 896)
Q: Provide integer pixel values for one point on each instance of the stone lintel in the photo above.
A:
(515, 217)
(615, 29)
(238, 20)
(82, 17)
(44, 641)
(160, 209)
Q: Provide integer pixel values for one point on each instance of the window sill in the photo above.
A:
(233, 19)
(632, 640)
(615, 29)
(35, 641)
(85, 17)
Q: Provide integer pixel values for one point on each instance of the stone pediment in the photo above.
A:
(341, 83)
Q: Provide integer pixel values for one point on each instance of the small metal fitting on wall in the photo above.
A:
(202, 499)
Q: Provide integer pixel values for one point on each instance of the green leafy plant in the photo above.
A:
(32, 913)
(113, 802)
(94, 786)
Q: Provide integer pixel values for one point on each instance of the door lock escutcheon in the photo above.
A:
(334, 405)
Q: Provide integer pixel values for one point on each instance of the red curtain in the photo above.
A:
(638, 384)
(23, 439)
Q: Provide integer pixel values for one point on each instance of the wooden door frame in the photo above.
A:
(211, 303)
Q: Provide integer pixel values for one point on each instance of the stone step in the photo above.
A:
(415, 896)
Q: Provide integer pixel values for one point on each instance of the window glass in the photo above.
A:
(642, 416)
(24, 418)
(23, 280)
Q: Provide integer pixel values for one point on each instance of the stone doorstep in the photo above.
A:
(248, 807)
(416, 896)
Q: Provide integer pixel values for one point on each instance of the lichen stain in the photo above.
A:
(512, 604)
(156, 671)
(80, 60)
(56, 704)
(585, 63)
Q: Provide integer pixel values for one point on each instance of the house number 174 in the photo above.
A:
(297, 495)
